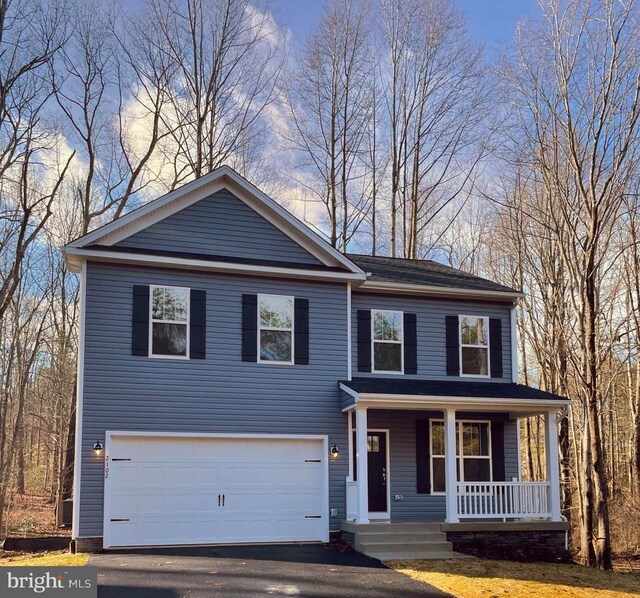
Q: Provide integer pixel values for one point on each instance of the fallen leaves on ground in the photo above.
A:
(481, 578)
(58, 558)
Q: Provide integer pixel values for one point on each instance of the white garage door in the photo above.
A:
(162, 490)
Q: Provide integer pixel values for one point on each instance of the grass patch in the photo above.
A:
(480, 578)
(58, 558)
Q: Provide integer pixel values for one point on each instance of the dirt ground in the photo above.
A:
(30, 516)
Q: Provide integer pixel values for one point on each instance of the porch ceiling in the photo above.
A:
(395, 393)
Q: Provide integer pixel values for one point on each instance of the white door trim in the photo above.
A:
(384, 514)
(373, 514)
(110, 434)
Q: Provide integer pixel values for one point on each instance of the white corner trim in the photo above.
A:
(515, 367)
(76, 256)
(77, 459)
(437, 291)
(349, 342)
(194, 191)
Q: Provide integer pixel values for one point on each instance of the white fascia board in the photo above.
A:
(194, 191)
(349, 390)
(387, 401)
(75, 257)
(437, 291)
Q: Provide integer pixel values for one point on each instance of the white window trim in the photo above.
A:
(291, 329)
(153, 321)
(460, 467)
(487, 346)
(400, 342)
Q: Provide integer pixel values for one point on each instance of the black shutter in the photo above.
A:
(140, 321)
(364, 340)
(495, 347)
(497, 451)
(410, 344)
(198, 324)
(423, 478)
(249, 328)
(453, 345)
(301, 327)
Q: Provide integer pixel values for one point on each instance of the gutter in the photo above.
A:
(438, 291)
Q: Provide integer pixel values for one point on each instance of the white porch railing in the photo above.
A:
(352, 500)
(503, 500)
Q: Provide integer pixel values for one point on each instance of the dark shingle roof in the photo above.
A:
(447, 388)
(426, 272)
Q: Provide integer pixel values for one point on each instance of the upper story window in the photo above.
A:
(169, 330)
(275, 329)
(387, 338)
(473, 453)
(474, 346)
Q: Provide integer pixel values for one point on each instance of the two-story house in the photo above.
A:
(240, 380)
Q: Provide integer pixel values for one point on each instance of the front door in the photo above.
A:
(377, 460)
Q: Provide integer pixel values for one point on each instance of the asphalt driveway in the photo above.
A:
(243, 571)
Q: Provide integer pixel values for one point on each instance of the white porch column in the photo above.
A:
(363, 465)
(553, 463)
(450, 474)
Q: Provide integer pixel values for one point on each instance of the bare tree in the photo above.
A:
(226, 56)
(437, 100)
(331, 110)
(576, 87)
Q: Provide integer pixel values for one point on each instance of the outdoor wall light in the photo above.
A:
(97, 448)
(335, 451)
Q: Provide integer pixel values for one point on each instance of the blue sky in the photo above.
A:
(490, 21)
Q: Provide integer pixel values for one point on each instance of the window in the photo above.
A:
(473, 460)
(275, 329)
(387, 339)
(169, 328)
(474, 346)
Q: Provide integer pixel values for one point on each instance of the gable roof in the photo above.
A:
(196, 190)
(370, 273)
(387, 273)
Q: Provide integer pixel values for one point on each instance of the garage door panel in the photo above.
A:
(274, 490)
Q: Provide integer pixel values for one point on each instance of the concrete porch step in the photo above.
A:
(393, 536)
(415, 546)
(409, 527)
(406, 555)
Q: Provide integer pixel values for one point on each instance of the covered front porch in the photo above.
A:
(446, 452)
(435, 467)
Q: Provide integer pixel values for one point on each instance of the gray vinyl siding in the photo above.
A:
(511, 461)
(402, 460)
(219, 394)
(220, 225)
(430, 315)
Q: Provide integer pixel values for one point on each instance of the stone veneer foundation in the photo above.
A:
(513, 541)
